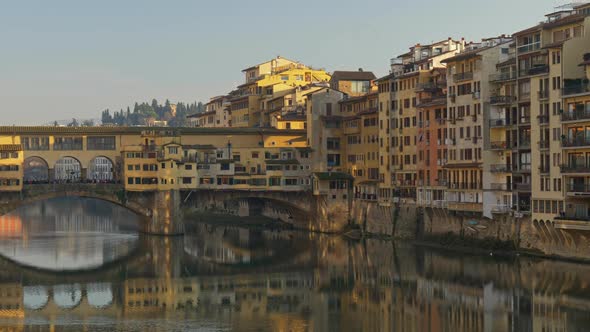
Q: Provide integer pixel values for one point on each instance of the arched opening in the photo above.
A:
(35, 297)
(67, 296)
(99, 295)
(101, 169)
(35, 170)
(68, 169)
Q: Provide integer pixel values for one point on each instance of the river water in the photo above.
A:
(74, 264)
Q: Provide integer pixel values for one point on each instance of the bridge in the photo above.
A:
(161, 172)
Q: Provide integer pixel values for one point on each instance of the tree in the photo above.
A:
(88, 123)
(74, 123)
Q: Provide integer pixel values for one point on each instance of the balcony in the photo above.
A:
(501, 77)
(544, 145)
(428, 86)
(580, 188)
(536, 70)
(524, 144)
(502, 100)
(466, 76)
(500, 168)
(501, 209)
(543, 94)
(465, 186)
(543, 119)
(465, 206)
(522, 186)
(524, 168)
(576, 88)
(575, 142)
(529, 47)
(500, 145)
(544, 169)
(500, 186)
(574, 168)
(498, 123)
(575, 115)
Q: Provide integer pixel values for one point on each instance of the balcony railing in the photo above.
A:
(501, 209)
(572, 216)
(543, 119)
(499, 186)
(575, 89)
(529, 47)
(465, 185)
(544, 169)
(465, 206)
(575, 142)
(575, 115)
(498, 123)
(524, 144)
(500, 145)
(537, 70)
(524, 168)
(544, 145)
(579, 188)
(544, 94)
(574, 168)
(500, 168)
(503, 77)
(502, 100)
(522, 186)
(466, 76)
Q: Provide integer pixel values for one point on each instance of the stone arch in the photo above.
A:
(67, 169)
(101, 169)
(35, 170)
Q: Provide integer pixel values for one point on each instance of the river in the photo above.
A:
(73, 264)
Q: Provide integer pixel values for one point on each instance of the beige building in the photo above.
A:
(468, 95)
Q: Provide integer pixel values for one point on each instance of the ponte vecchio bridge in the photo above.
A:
(153, 171)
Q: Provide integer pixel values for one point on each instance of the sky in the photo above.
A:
(64, 59)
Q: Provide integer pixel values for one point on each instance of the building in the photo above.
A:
(411, 75)
(263, 83)
(468, 92)
(547, 56)
(217, 114)
(353, 83)
(11, 170)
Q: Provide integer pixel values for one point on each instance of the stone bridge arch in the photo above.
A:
(35, 170)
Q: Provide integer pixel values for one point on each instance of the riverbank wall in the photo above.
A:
(441, 226)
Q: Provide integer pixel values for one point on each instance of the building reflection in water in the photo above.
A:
(250, 280)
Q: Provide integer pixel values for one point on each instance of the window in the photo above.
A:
(100, 143)
(186, 180)
(333, 160)
(360, 86)
(333, 143)
(67, 143)
(173, 150)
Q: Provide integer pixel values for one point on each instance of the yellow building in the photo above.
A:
(11, 171)
(360, 143)
(263, 82)
(217, 114)
(152, 159)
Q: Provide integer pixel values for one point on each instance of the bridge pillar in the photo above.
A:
(165, 215)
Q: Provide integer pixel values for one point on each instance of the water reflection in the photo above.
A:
(228, 278)
(68, 234)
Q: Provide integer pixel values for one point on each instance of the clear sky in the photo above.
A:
(62, 59)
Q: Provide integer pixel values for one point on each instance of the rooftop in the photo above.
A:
(353, 75)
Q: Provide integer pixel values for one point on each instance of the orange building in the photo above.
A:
(432, 135)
